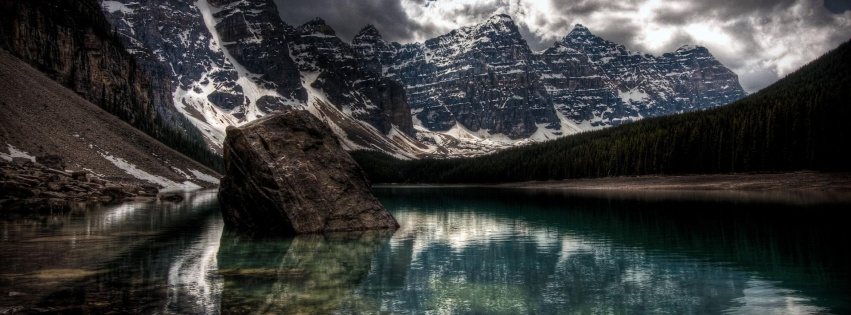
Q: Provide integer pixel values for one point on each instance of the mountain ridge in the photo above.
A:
(574, 95)
(473, 90)
(794, 124)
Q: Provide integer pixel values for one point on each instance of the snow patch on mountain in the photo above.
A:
(203, 176)
(115, 6)
(632, 95)
(15, 153)
(474, 90)
(132, 170)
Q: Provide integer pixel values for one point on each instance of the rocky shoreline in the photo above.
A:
(44, 186)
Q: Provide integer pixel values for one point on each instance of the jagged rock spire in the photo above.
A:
(316, 26)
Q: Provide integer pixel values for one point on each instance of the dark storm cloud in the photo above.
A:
(837, 6)
(671, 16)
(348, 17)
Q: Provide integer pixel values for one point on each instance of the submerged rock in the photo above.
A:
(287, 174)
(171, 197)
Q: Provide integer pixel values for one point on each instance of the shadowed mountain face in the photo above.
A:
(73, 43)
(368, 96)
(236, 61)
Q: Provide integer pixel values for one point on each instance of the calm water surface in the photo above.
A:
(459, 251)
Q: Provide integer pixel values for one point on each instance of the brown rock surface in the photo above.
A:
(32, 187)
(42, 118)
(287, 174)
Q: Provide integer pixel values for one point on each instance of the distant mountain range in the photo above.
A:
(473, 90)
(797, 123)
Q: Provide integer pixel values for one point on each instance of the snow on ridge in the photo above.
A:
(203, 176)
(132, 170)
(113, 6)
(632, 95)
(317, 97)
(215, 120)
(15, 153)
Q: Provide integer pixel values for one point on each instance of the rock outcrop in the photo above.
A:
(26, 186)
(482, 77)
(288, 174)
(74, 44)
(369, 97)
(50, 125)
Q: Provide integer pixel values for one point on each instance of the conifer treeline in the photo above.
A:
(800, 122)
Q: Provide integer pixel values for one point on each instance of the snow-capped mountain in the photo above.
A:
(485, 79)
(233, 61)
(612, 85)
(481, 77)
(473, 90)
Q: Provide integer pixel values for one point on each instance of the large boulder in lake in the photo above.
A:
(287, 174)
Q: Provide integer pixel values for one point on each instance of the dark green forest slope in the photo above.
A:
(800, 122)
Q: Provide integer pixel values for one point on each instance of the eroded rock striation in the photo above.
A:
(288, 174)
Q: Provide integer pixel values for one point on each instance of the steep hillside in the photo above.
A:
(794, 124)
(38, 116)
(73, 44)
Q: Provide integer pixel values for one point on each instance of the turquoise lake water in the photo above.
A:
(459, 251)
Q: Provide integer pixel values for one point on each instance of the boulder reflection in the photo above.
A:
(306, 274)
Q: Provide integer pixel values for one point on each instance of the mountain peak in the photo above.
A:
(686, 48)
(316, 26)
(369, 32)
(315, 21)
(500, 19)
(501, 24)
(580, 30)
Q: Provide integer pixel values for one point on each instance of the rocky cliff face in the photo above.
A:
(75, 45)
(482, 77)
(334, 70)
(627, 85)
(70, 43)
(256, 38)
(288, 174)
(470, 91)
(486, 78)
(205, 83)
(231, 64)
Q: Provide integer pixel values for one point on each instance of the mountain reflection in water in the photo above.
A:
(459, 251)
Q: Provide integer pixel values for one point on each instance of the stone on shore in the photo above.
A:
(288, 174)
(27, 186)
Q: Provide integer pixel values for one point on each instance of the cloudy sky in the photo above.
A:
(760, 40)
